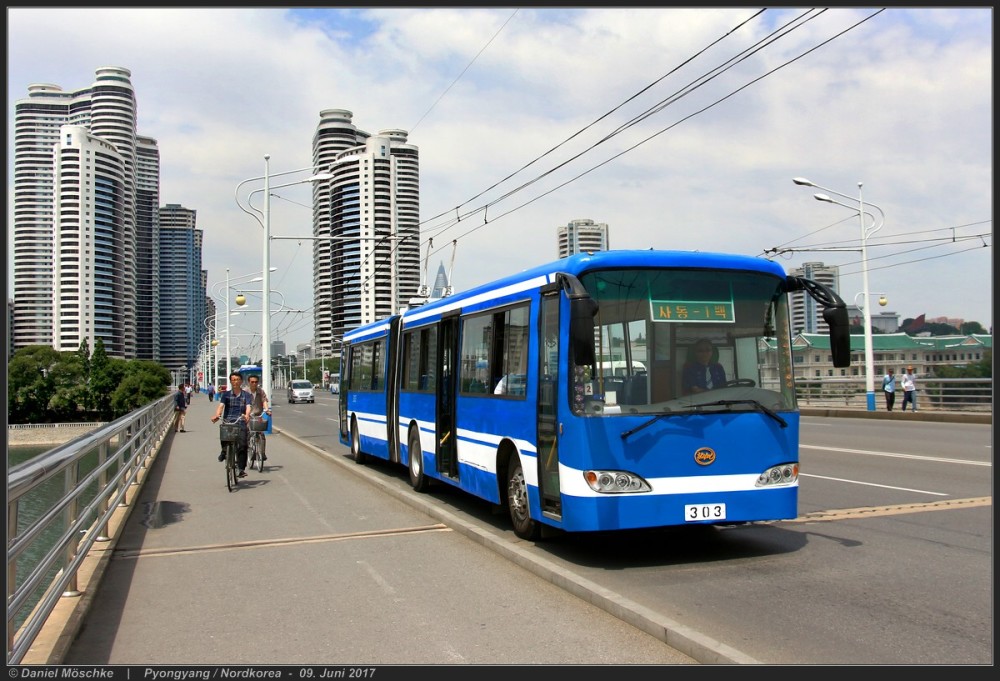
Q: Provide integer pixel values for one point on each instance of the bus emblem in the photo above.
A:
(704, 456)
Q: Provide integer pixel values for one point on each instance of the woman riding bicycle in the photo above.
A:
(234, 405)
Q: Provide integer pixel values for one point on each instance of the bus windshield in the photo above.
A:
(680, 341)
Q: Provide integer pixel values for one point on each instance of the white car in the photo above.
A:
(300, 391)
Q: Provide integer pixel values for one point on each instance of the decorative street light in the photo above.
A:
(265, 325)
(866, 232)
(240, 300)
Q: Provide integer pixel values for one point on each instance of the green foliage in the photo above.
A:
(981, 369)
(30, 378)
(970, 328)
(314, 369)
(46, 386)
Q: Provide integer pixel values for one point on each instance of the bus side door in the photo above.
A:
(447, 370)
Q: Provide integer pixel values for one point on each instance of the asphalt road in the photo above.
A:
(890, 561)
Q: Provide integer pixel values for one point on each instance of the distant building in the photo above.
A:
(806, 313)
(950, 321)
(182, 296)
(812, 358)
(886, 322)
(75, 215)
(582, 236)
(440, 283)
(85, 199)
(366, 257)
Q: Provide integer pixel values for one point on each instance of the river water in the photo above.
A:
(31, 507)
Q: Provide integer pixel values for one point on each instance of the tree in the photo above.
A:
(143, 382)
(84, 354)
(69, 399)
(105, 375)
(969, 328)
(30, 375)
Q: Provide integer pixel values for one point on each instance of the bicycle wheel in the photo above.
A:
(253, 450)
(231, 480)
(259, 439)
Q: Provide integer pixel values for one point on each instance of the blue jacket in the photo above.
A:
(694, 376)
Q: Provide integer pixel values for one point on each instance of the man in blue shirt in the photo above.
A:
(234, 406)
(180, 409)
(701, 373)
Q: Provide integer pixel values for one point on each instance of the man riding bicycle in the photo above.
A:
(234, 406)
(259, 405)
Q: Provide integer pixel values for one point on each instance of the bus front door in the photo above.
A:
(447, 358)
(548, 382)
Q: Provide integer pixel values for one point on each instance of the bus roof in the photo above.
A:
(576, 265)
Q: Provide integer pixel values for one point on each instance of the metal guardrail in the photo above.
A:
(70, 493)
(933, 394)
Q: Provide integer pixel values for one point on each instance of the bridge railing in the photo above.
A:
(59, 504)
(933, 394)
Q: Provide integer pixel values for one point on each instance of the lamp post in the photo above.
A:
(866, 232)
(265, 222)
(240, 300)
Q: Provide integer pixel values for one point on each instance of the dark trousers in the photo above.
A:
(890, 399)
(241, 449)
(908, 399)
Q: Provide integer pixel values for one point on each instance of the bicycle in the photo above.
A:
(229, 435)
(255, 443)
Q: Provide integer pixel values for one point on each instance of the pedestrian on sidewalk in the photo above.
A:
(909, 389)
(180, 408)
(889, 388)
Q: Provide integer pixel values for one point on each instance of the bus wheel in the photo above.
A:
(517, 503)
(356, 453)
(417, 478)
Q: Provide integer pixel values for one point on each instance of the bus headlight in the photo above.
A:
(615, 482)
(783, 474)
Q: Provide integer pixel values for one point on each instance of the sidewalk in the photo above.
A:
(306, 563)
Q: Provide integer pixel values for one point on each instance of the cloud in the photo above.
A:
(901, 102)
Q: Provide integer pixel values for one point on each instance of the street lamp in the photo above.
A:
(240, 300)
(866, 232)
(265, 326)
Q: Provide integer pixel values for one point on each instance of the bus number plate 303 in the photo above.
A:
(696, 512)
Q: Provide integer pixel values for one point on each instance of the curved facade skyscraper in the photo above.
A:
(366, 257)
(75, 231)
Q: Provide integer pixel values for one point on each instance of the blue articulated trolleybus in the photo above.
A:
(559, 392)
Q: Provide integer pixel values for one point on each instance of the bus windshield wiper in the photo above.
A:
(760, 407)
(650, 422)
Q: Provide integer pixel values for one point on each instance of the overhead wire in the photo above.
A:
(796, 23)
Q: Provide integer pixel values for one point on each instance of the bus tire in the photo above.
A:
(356, 453)
(517, 503)
(418, 480)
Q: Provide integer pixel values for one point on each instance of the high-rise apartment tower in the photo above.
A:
(807, 316)
(366, 255)
(582, 236)
(75, 215)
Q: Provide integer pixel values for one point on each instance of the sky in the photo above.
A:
(680, 128)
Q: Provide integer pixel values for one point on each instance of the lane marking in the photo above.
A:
(896, 455)
(898, 509)
(872, 484)
(126, 553)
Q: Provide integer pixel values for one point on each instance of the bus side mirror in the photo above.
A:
(840, 334)
(581, 329)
